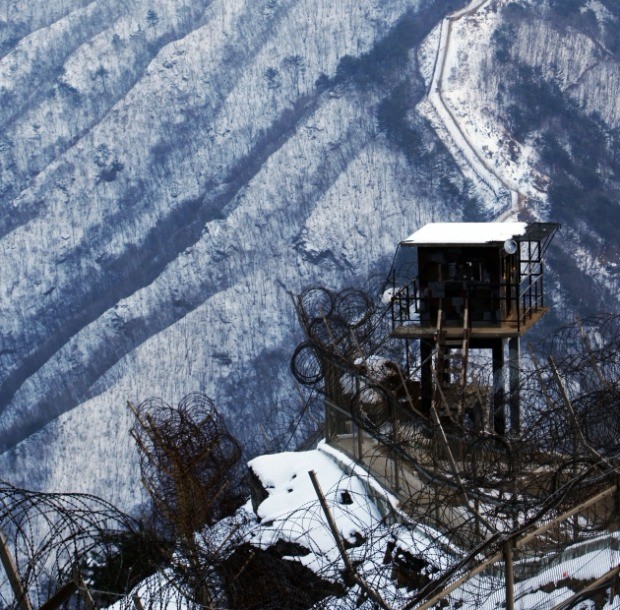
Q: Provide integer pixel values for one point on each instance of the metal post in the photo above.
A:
(514, 349)
(510, 583)
(499, 416)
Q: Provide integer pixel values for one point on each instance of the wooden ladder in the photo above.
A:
(457, 368)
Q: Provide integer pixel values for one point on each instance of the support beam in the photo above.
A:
(61, 596)
(137, 602)
(509, 576)
(514, 354)
(499, 415)
(426, 379)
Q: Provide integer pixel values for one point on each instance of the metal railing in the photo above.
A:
(489, 304)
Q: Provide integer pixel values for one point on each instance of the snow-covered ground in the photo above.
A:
(291, 513)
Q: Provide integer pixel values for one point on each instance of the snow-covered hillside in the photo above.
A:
(168, 174)
(170, 171)
(533, 89)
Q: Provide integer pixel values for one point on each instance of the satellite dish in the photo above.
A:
(510, 246)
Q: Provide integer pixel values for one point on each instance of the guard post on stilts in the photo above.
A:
(471, 286)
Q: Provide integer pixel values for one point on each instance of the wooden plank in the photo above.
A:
(606, 578)
(563, 517)
(21, 596)
(520, 543)
(506, 330)
(61, 596)
(83, 589)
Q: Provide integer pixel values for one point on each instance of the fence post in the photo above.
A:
(372, 594)
(137, 602)
(21, 595)
(509, 576)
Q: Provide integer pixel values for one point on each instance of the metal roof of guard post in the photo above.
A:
(462, 286)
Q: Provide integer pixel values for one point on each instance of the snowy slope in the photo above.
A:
(169, 172)
(533, 91)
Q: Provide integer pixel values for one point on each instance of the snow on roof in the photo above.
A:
(285, 476)
(292, 512)
(466, 233)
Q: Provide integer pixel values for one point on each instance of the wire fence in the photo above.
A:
(452, 472)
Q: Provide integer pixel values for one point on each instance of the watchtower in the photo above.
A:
(462, 286)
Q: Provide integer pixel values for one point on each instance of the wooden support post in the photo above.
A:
(340, 544)
(75, 585)
(426, 378)
(83, 588)
(355, 427)
(396, 443)
(21, 595)
(464, 362)
(473, 508)
(520, 543)
(61, 596)
(410, 401)
(137, 602)
(577, 427)
(610, 491)
(607, 578)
